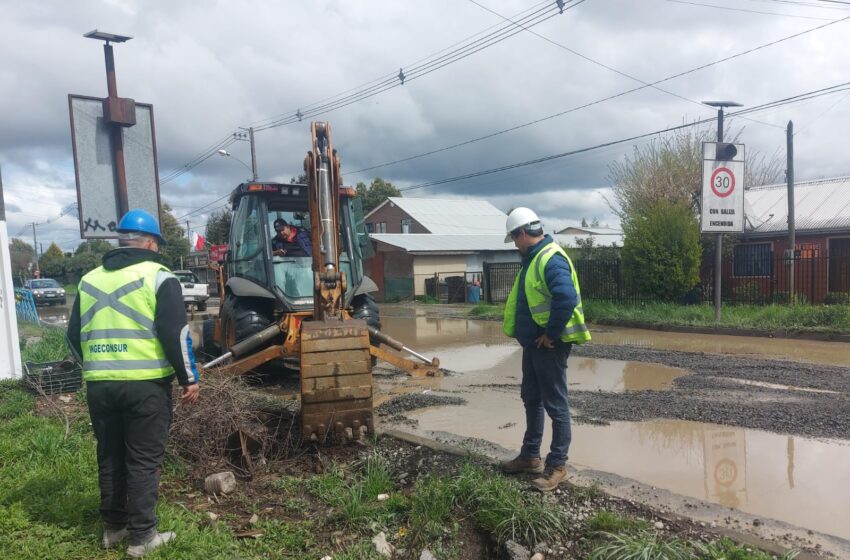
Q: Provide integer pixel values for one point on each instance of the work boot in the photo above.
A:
(111, 537)
(523, 465)
(552, 477)
(157, 540)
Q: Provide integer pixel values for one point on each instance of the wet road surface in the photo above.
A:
(801, 480)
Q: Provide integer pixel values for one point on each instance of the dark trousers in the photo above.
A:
(544, 391)
(130, 420)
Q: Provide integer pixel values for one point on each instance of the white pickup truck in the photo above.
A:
(194, 293)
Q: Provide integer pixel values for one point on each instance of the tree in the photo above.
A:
(376, 193)
(661, 250)
(176, 244)
(218, 226)
(670, 168)
(87, 256)
(22, 258)
(53, 262)
(300, 180)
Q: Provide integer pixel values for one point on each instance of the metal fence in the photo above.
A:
(25, 307)
(747, 277)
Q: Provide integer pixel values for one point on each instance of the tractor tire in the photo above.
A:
(364, 307)
(210, 347)
(247, 315)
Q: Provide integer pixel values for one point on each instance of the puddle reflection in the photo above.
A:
(803, 481)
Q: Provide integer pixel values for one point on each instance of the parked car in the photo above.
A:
(46, 290)
(194, 292)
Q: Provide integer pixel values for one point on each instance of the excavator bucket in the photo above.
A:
(336, 380)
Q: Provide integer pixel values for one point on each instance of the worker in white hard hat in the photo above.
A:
(544, 314)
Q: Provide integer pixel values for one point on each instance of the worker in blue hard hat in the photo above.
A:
(128, 328)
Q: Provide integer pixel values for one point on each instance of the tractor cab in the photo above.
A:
(252, 268)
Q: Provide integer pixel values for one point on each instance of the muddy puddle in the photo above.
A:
(803, 481)
(55, 316)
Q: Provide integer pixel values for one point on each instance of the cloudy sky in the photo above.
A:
(211, 67)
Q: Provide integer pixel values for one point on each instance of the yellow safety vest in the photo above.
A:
(117, 332)
(540, 300)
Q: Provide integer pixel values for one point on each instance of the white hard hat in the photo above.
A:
(517, 218)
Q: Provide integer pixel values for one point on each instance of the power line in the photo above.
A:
(388, 81)
(800, 3)
(745, 10)
(426, 68)
(778, 103)
(596, 102)
(393, 75)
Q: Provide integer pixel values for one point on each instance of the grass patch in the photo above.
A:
(50, 348)
(644, 546)
(502, 507)
(726, 549)
(428, 300)
(70, 289)
(813, 318)
(604, 521)
(487, 311)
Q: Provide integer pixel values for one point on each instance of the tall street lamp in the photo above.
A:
(718, 258)
(225, 153)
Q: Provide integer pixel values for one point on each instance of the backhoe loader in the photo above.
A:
(315, 309)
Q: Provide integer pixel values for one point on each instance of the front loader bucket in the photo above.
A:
(336, 380)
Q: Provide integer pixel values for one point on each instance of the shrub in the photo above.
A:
(833, 298)
(661, 251)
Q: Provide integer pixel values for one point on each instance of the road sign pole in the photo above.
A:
(116, 135)
(718, 249)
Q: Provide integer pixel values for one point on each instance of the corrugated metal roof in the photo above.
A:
(598, 240)
(454, 215)
(818, 205)
(425, 242)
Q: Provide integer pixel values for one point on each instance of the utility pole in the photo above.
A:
(792, 242)
(253, 152)
(34, 247)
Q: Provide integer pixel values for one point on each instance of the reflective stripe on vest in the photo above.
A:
(539, 298)
(118, 334)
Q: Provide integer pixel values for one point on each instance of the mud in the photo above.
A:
(415, 401)
(813, 400)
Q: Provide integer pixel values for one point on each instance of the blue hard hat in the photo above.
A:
(140, 221)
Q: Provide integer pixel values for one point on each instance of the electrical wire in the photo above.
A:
(597, 101)
(389, 81)
(778, 103)
(424, 69)
(392, 75)
(716, 7)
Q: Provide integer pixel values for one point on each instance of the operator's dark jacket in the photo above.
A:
(170, 315)
(300, 244)
(564, 299)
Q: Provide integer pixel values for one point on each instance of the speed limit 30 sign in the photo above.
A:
(722, 191)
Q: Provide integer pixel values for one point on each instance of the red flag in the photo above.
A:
(197, 240)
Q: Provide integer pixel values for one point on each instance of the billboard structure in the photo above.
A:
(114, 146)
(98, 188)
